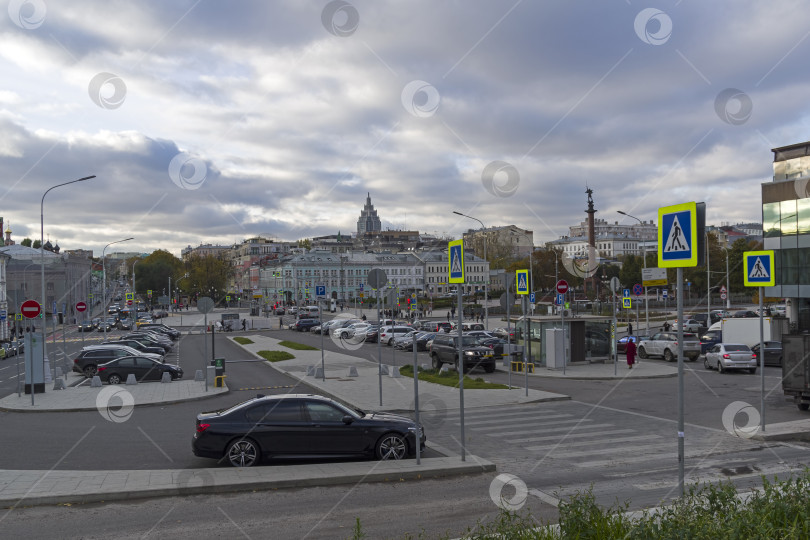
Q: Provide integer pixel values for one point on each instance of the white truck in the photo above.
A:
(743, 330)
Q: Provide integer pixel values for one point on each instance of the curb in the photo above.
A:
(310, 476)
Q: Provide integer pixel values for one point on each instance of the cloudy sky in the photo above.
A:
(210, 121)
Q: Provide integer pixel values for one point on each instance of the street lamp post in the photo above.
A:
(104, 284)
(646, 298)
(728, 285)
(133, 277)
(46, 367)
(486, 266)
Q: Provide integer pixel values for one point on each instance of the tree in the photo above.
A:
(153, 272)
(206, 276)
(306, 243)
(26, 242)
(630, 273)
(37, 244)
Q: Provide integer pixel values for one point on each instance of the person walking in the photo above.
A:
(280, 323)
(448, 316)
(630, 351)
(630, 329)
(244, 324)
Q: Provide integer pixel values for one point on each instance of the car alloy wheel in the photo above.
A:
(243, 453)
(89, 371)
(668, 356)
(114, 379)
(720, 367)
(391, 446)
(706, 363)
(642, 353)
(437, 364)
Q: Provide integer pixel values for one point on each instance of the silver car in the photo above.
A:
(666, 344)
(725, 356)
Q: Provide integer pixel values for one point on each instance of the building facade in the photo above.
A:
(786, 229)
(518, 242)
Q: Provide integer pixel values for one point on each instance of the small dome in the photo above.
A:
(48, 246)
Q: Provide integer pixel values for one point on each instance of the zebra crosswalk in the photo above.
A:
(583, 437)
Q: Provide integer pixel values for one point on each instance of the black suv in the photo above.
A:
(89, 359)
(445, 351)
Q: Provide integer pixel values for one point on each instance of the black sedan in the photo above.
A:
(144, 369)
(301, 426)
(304, 325)
(773, 353)
(105, 326)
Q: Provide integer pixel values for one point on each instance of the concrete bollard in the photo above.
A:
(352, 372)
(211, 374)
(95, 382)
(131, 379)
(59, 384)
(318, 373)
(384, 369)
(166, 377)
(393, 372)
(444, 369)
(198, 376)
(310, 371)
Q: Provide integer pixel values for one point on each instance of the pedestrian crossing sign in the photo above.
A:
(759, 270)
(455, 252)
(678, 236)
(522, 281)
(626, 303)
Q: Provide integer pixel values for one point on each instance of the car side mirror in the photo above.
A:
(348, 419)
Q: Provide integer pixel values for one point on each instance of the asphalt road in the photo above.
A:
(619, 436)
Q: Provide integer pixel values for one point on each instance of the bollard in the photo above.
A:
(131, 379)
(166, 377)
(384, 369)
(95, 382)
(318, 373)
(310, 371)
(444, 369)
(393, 372)
(352, 372)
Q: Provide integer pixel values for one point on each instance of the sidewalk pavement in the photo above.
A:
(42, 487)
(363, 390)
(79, 396)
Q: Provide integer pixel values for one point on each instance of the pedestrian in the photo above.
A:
(630, 350)
(666, 326)
(364, 316)
(244, 324)
(448, 316)
(629, 329)
(280, 323)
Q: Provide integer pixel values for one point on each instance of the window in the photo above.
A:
(770, 220)
(285, 410)
(789, 219)
(324, 412)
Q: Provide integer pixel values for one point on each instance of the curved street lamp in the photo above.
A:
(45, 365)
(104, 283)
(646, 297)
(486, 265)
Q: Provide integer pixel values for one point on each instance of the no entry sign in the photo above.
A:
(562, 286)
(30, 309)
(81, 306)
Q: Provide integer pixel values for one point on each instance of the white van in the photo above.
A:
(312, 311)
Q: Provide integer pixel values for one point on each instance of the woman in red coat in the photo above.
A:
(630, 350)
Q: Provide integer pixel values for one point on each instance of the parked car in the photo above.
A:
(445, 350)
(89, 358)
(388, 333)
(439, 327)
(173, 333)
(144, 369)
(301, 426)
(621, 345)
(666, 344)
(709, 339)
(773, 353)
(148, 340)
(279, 310)
(400, 340)
(495, 344)
(744, 314)
(422, 339)
(138, 346)
(372, 333)
(293, 310)
(303, 325)
(505, 333)
(726, 356)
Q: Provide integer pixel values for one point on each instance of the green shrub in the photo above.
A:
(243, 340)
(275, 356)
(297, 346)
